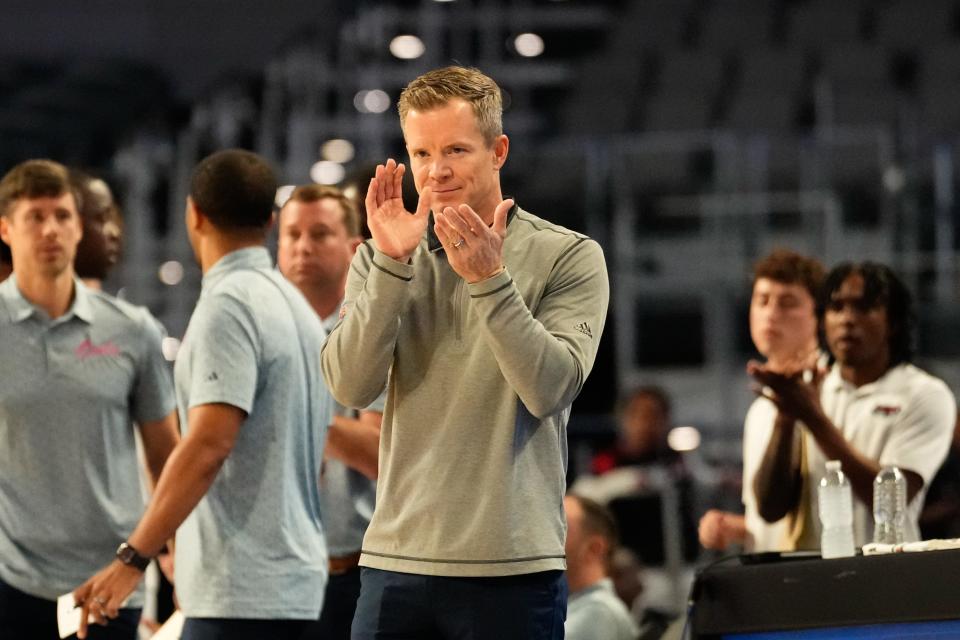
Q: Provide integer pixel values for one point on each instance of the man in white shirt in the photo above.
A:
(872, 409)
(783, 326)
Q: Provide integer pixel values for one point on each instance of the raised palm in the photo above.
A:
(396, 232)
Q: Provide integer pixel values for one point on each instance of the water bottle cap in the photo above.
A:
(833, 465)
(890, 472)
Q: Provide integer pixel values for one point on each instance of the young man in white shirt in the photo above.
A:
(872, 409)
(783, 326)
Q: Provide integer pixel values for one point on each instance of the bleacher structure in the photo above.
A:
(688, 136)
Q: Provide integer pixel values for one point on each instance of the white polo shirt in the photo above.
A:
(905, 418)
(757, 429)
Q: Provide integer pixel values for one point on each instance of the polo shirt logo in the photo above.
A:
(89, 350)
(584, 328)
(886, 410)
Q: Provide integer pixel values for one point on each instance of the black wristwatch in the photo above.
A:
(131, 557)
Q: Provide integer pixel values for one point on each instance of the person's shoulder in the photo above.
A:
(535, 238)
(602, 606)
(921, 383)
(111, 308)
(529, 224)
(366, 250)
(245, 288)
(761, 411)
(240, 282)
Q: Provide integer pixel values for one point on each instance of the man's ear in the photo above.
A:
(355, 242)
(195, 218)
(4, 230)
(598, 546)
(501, 147)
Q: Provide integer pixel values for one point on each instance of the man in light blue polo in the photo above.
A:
(242, 484)
(319, 233)
(77, 369)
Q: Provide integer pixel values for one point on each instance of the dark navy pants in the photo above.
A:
(25, 616)
(398, 606)
(238, 629)
(339, 605)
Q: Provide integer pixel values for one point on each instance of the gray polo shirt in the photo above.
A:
(70, 389)
(253, 547)
(348, 496)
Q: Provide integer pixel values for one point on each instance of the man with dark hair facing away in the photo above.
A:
(872, 409)
(80, 368)
(240, 490)
(482, 321)
(319, 233)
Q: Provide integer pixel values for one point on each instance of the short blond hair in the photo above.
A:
(436, 88)
(308, 193)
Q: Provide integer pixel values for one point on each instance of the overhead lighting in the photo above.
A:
(529, 45)
(683, 438)
(283, 194)
(169, 347)
(337, 150)
(170, 273)
(326, 172)
(407, 47)
(373, 101)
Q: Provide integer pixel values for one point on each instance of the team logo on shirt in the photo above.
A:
(886, 410)
(89, 350)
(584, 328)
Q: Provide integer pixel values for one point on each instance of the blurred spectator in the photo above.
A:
(632, 476)
(626, 571)
(783, 327)
(872, 409)
(644, 417)
(99, 249)
(97, 254)
(594, 612)
(940, 517)
(628, 574)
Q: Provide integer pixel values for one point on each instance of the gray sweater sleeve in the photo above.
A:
(357, 355)
(546, 355)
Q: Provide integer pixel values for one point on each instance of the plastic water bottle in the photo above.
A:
(889, 506)
(836, 513)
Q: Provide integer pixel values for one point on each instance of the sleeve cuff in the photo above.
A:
(491, 285)
(384, 263)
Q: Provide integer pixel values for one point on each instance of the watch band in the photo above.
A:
(131, 557)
